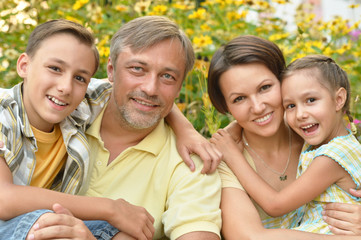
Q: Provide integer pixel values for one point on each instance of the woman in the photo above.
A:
(243, 80)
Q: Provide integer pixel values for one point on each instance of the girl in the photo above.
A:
(315, 94)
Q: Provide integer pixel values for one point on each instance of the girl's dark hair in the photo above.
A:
(329, 73)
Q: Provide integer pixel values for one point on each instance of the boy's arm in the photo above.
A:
(190, 141)
(16, 200)
(290, 198)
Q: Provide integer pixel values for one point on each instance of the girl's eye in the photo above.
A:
(310, 100)
(238, 99)
(289, 106)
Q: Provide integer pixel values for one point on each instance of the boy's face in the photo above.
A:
(55, 79)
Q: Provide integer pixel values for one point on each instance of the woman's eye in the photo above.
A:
(237, 99)
(265, 87)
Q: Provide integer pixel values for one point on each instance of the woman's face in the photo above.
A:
(253, 96)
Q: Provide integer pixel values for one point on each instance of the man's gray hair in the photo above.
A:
(144, 32)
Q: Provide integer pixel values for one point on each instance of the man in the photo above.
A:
(134, 150)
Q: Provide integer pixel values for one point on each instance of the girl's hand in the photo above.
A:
(194, 142)
(224, 142)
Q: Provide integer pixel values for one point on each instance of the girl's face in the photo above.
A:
(253, 96)
(312, 111)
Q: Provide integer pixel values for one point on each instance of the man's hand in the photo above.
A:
(59, 225)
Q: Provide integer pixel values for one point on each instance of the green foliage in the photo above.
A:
(208, 24)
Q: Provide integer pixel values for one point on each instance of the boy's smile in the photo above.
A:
(59, 73)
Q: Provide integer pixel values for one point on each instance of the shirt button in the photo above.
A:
(99, 163)
(29, 165)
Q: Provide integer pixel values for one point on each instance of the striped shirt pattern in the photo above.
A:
(20, 144)
(346, 151)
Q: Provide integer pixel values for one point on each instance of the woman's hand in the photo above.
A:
(344, 218)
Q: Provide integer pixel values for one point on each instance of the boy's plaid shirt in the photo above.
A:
(20, 144)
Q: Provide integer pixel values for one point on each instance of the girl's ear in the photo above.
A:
(340, 98)
(22, 65)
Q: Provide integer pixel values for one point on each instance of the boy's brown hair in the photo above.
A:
(52, 27)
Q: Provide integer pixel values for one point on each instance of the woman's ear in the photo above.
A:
(340, 98)
(22, 65)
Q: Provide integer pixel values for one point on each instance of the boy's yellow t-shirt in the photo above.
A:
(50, 157)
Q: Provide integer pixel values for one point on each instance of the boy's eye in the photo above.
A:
(80, 78)
(56, 69)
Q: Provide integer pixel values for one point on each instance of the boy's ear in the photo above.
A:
(22, 65)
(110, 71)
(340, 98)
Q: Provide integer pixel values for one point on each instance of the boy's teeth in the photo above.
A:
(259, 120)
(56, 101)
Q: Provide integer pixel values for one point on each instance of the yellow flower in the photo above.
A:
(202, 66)
(233, 16)
(199, 14)
(354, 6)
(205, 27)
(189, 32)
(280, 1)
(278, 36)
(79, 3)
(181, 106)
(73, 19)
(104, 51)
(121, 8)
(202, 41)
(206, 101)
(142, 6)
(160, 9)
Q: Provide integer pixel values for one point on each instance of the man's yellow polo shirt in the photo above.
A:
(153, 175)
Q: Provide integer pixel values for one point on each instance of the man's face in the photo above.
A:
(146, 83)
